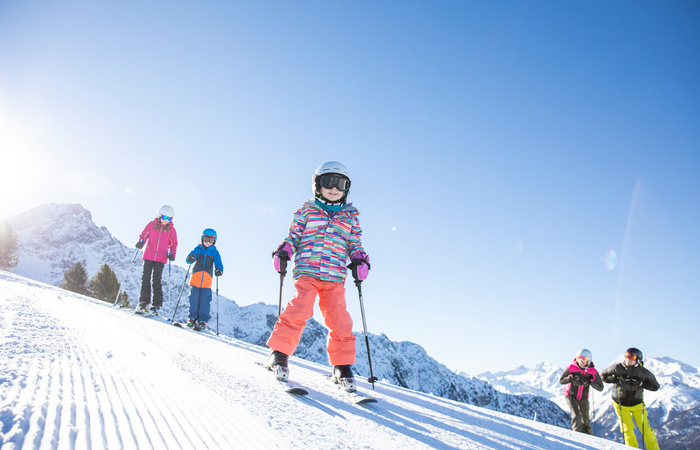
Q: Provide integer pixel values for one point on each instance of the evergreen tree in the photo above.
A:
(104, 285)
(123, 301)
(75, 279)
(8, 247)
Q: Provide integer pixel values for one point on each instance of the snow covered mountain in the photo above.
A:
(673, 409)
(53, 237)
(78, 373)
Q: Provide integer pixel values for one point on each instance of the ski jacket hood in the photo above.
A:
(160, 240)
(323, 240)
(630, 383)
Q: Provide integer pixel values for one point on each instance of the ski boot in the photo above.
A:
(142, 308)
(199, 325)
(277, 363)
(191, 323)
(342, 376)
(154, 310)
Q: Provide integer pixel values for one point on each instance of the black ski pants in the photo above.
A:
(580, 410)
(154, 269)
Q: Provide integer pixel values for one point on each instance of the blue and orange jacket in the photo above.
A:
(206, 260)
(323, 240)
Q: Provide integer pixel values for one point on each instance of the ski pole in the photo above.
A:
(124, 278)
(593, 409)
(644, 419)
(181, 291)
(282, 272)
(372, 379)
(169, 282)
(217, 306)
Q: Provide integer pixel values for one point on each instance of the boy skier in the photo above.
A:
(325, 231)
(631, 378)
(207, 261)
(578, 377)
(161, 239)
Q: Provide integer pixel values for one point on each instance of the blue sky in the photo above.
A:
(498, 151)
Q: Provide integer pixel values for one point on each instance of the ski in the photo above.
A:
(285, 385)
(184, 325)
(354, 397)
(138, 312)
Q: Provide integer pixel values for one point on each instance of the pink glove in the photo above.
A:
(281, 256)
(360, 267)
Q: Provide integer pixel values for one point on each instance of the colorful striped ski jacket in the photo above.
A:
(323, 240)
(573, 387)
(160, 240)
(203, 270)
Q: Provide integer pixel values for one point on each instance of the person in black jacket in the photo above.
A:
(580, 374)
(631, 378)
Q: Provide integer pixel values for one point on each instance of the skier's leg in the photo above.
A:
(642, 419)
(290, 324)
(145, 297)
(341, 341)
(205, 305)
(625, 415)
(585, 411)
(158, 284)
(194, 301)
(576, 422)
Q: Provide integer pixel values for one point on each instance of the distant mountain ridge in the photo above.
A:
(673, 410)
(53, 237)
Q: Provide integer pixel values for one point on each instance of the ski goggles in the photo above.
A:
(166, 218)
(630, 356)
(210, 239)
(329, 181)
(582, 358)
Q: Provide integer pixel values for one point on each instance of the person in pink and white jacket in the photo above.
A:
(160, 239)
(580, 374)
(324, 234)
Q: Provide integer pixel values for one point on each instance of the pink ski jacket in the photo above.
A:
(323, 240)
(579, 391)
(160, 240)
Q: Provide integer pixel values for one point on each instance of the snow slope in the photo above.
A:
(79, 373)
(46, 251)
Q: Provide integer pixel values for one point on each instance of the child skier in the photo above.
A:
(631, 378)
(160, 238)
(578, 377)
(207, 260)
(325, 231)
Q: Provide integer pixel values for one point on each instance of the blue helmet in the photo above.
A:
(209, 232)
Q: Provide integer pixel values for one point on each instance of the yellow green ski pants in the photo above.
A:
(639, 414)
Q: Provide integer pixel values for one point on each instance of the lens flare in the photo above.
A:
(610, 260)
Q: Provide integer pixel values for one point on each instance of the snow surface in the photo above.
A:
(79, 373)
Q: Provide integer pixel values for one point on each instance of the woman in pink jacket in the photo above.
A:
(160, 239)
(580, 374)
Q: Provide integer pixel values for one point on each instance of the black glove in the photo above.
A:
(139, 244)
(360, 267)
(171, 257)
(191, 258)
(218, 272)
(630, 383)
(584, 380)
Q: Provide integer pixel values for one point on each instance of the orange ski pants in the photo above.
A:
(287, 332)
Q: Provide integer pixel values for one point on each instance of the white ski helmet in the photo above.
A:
(166, 210)
(333, 167)
(585, 353)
